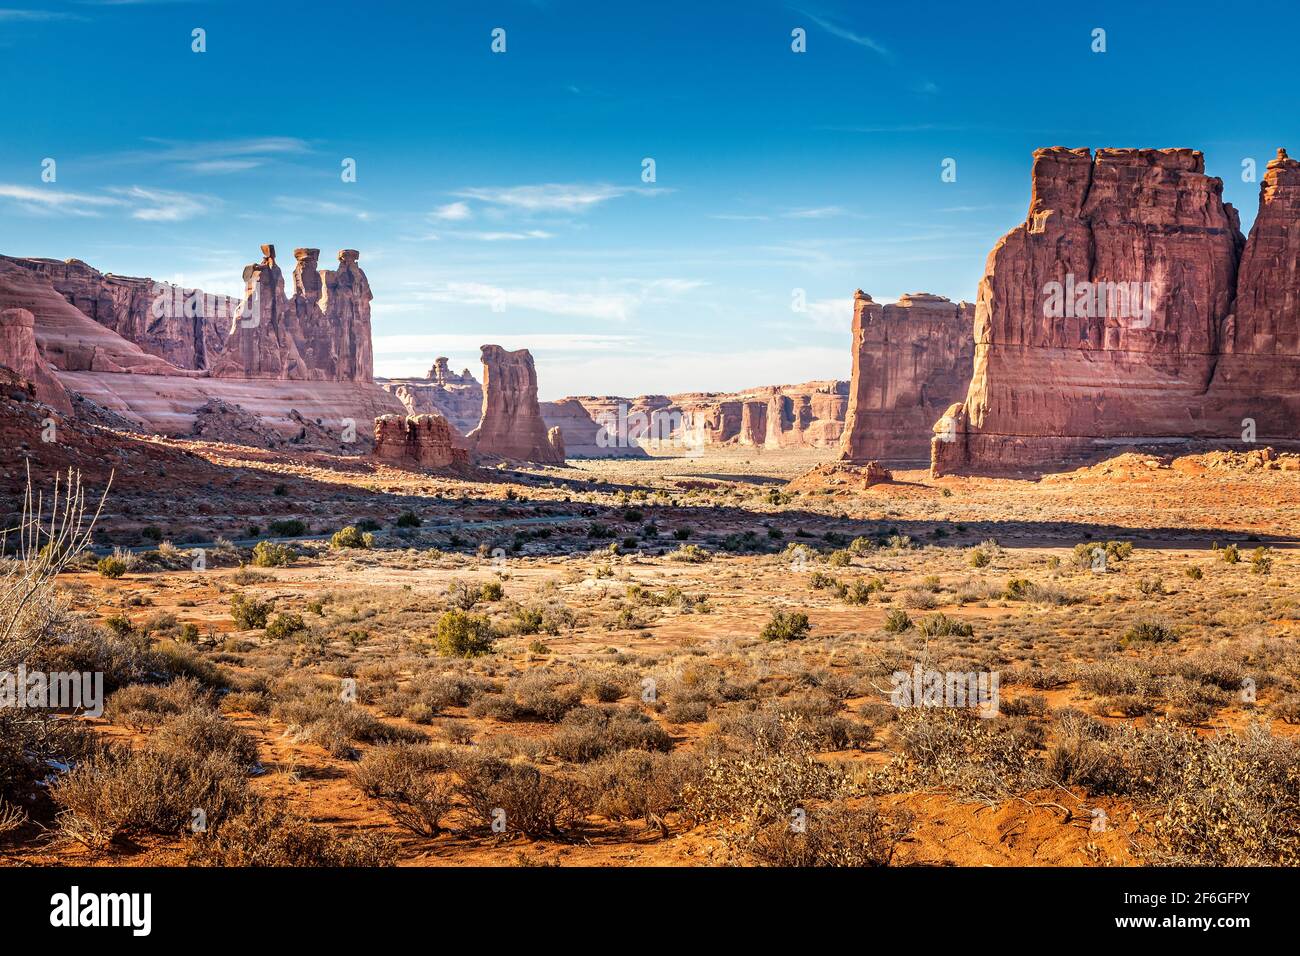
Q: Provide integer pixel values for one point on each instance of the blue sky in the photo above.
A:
(499, 197)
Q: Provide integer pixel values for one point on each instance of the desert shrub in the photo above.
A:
(820, 581)
(859, 592)
(689, 554)
(1287, 709)
(533, 696)
(978, 558)
(523, 798)
(460, 634)
(199, 731)
(919, 599)
(940, 625)
(840, 559)
(142, 706)
(1148, 632)
(1230, 554)
(351, 537)
(119, 791)
(491, 591)
(269, 554)
(410, 782)
(687, 712)
(589, 733)
(833, 835)
(640, 784)
(408, 519)
(1114, 677)
(897, 621)
(763, 782)
(1194, 573)
(284, 626)
(1086, 553)
(111, 567)
(952, 747)
(267, 833)
(786, 626)
(1261, 561)
(249, 613)
(338, 726)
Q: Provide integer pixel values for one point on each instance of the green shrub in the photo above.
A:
(941, 625)
(352, 537)
(461, 634)
(1230, 555)
(284, 626)
(249, 613)
(269, 554)
(840, 559)
(408, 519)
(786, 626)
(111, 567)
(897, 621)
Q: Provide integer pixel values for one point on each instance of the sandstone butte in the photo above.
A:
(911, 360)
(511, 424)
(1213, 348)
(418, 441)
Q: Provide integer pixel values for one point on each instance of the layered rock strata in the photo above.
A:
(911, 360)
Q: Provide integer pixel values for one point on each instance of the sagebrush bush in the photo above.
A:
(460, 634)
(270, 554)
(786, 626)
(410, 781)
(248, 612)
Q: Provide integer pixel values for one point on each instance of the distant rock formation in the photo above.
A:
(322, 333)
(1108, 316)
(511, 425)
(18, 352)
(555, 438)
(810, 415)
(457, 398)
(911, 360)
(417, 441)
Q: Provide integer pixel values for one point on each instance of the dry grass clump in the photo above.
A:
(513, 798)
(589, 733)
(267, 833)
(196, 761)
(144, 706)
(835, 834)
(337, 725)
(410, 781)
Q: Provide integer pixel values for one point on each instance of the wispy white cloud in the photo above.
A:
(304, 206)
(48, 200)
(553, 197)
(844, 33)
(211, 157)
(452, 212)
(818, 212)
(738, 217)
(608, 304)
(10, 15)
(160, 205)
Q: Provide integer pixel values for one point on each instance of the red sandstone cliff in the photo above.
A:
(1100, 318)
(911, 360)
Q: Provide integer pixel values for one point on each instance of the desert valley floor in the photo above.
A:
(644, 655)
